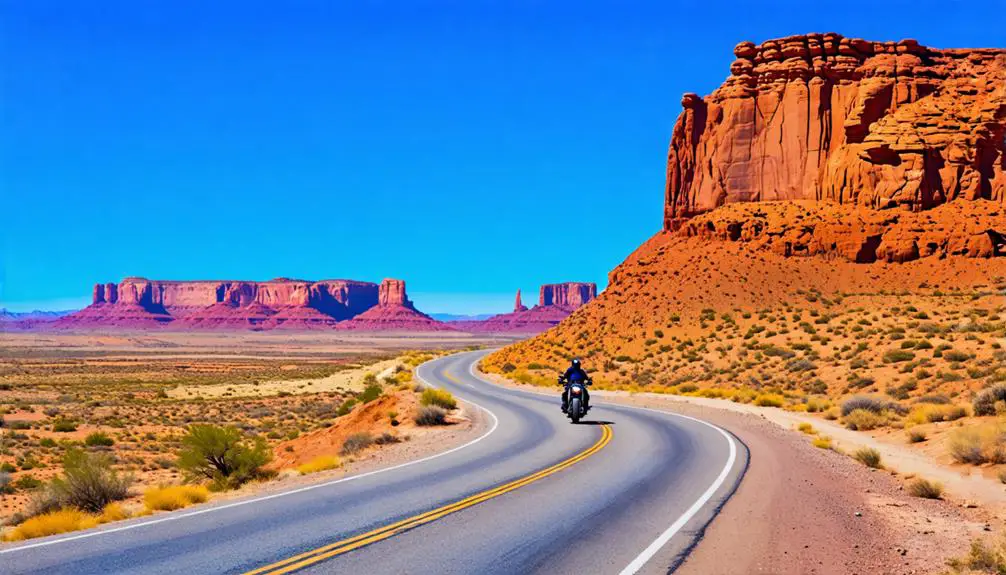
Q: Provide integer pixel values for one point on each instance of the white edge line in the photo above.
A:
(685, 517)
(274, 495)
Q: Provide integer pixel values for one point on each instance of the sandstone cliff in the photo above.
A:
(555, 303)
(394, 312)
(823, 117)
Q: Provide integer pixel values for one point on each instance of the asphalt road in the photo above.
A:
(631, 493)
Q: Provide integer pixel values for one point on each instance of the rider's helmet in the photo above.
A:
(576, 362)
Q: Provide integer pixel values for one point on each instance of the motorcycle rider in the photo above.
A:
(575, 374)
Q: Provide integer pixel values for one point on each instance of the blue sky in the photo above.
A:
(468, 147)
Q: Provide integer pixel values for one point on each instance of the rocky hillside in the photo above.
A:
(832, 201)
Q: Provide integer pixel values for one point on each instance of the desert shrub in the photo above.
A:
(930, 413)
(346, 407)
(978, 444)
(88, 484)
(174, 497)
(99, 438)
(6, 483)
(688, 388)
(936, 399)
(439, 397)
(954, 355)
(864, 420)
(822, 442)
(865, 402)
(916, 436)
(898, 356)
(985, 402)
(431, 415)
(64, 426)
(980, 559)
(769, 400)
(387, 439)
(370, 393)
(320, 463)
(868, 456)
(806, 428)
(508, 367)
(816, 405)
(222, 455)
(924, 488)
(52, 523)
(357, 442)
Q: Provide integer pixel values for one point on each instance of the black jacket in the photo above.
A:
(575, 373)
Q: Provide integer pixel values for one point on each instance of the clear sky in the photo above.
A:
(466, 146)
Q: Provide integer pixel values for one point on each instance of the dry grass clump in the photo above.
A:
(864, 420)
(822, 442)
(174, 497)
(88, 484)
(806, 428)
(867, 403)
(320, 463)
(439, 397)
(769, 400)
(431, 415)
(868, 456)
(981, 558)
(926, 489)
(980, 443)
(52, 523)
(931, 413)
(112, 512)
(357, 442)
(916, 436)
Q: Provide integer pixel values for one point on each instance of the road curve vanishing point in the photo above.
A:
(628, 490)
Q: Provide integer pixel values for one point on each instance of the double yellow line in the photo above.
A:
(331, 550)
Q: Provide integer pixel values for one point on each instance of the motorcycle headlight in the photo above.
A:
(576, 391)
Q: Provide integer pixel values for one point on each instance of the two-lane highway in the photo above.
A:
(626, 491)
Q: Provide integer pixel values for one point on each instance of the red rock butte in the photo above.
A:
(279, 303)
(555, 303)
(876, 125)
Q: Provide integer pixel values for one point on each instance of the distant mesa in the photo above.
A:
(281, 303)
(555, 303)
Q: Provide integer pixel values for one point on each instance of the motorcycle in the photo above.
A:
(575, 399)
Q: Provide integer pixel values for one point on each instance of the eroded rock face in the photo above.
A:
(568, 295)
(518, 305)
(392, 292)
(823, 117)
(555, 303)
(394, 312)
(298, 304)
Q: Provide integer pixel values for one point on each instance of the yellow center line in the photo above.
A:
(451, 377)
(325, 552)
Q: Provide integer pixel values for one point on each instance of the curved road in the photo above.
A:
(629, 490)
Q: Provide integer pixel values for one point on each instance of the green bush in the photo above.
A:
(431, 415)
(439, 397)
(222, 455)
(356, 442)
(370, 393)
(874, 404)
(64, 426)
(898, 356)
(346, 407)
(99, 438)
(953, 355)
(88, 483)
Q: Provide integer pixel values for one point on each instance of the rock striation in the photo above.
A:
(555, 303)
(281, 303)
(877, 125)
